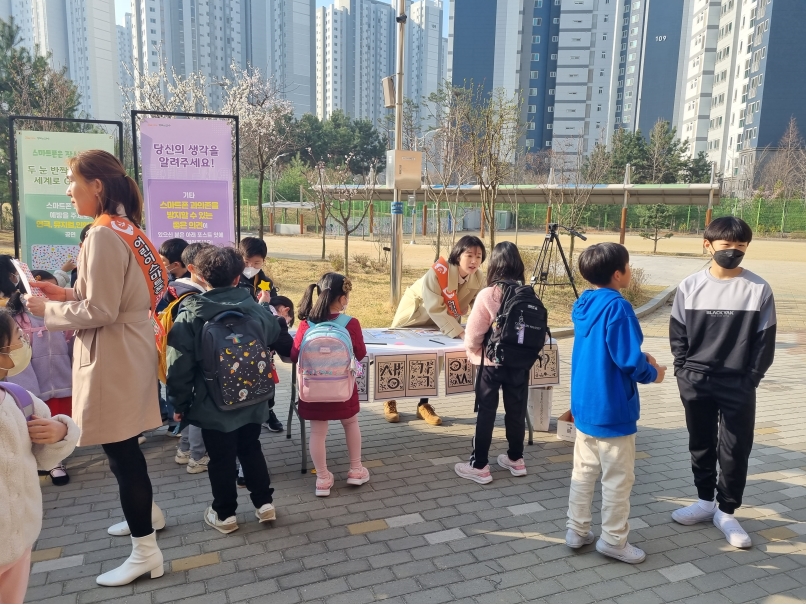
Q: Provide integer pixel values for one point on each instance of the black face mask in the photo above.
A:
(728, 259)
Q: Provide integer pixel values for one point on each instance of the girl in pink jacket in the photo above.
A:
(505, 265)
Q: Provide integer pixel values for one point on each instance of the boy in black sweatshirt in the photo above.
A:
(722, 333)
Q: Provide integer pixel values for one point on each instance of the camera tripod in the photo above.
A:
(547, 258)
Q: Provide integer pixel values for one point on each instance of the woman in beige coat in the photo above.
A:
(438, 300)
(115, 357)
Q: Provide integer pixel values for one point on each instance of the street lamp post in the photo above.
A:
(397, 204)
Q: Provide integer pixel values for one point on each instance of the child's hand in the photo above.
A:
(69, 265)
(177, 417)
(35, 305)
(264, 296)
(652, 361)
(661, 373)
(46, 430)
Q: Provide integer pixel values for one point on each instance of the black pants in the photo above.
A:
(720, 416)
(515, 384)
(127, 463)
(223, 448)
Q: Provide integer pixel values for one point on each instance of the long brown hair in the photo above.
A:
(118, 187)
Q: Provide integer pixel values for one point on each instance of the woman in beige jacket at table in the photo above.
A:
(438, 300)
(115, 357)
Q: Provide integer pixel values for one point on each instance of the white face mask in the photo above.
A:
(250, 272)
(21, 358)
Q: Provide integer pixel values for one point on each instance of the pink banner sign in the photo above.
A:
(187, 178)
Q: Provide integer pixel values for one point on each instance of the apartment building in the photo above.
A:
(647, 82)
(280, 40)
(209, 36)
(758, 86)
(126, 53)
(356, 44)
(700, 77)
(585, 64)
(82, 36)
(509, 44)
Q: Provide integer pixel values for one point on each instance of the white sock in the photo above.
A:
(707, 505)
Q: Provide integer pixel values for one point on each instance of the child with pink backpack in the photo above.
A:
(327, 347)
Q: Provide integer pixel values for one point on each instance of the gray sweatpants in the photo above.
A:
(192, 440)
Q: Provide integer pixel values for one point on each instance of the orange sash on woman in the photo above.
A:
(148, 259)
(449, 296)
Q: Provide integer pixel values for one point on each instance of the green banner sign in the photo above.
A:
(49, 225)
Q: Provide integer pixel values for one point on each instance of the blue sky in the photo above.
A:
(124, 6)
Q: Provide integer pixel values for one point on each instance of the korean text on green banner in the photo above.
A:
(49, 224)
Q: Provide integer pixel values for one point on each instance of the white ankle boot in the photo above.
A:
(146, 557)
(157, 522)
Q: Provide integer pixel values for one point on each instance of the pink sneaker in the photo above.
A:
(516, 467)
(323, 484)
(358, 476)
(479, 475)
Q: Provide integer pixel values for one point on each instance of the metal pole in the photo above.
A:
(623, 230)
(397, 205)
(710, 198)
(548, 206)
(271, 194)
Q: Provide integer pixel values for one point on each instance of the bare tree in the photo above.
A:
(782, 175)
(492, 127)
(162, 90)
(574, 175)
(266, 123)
(446, 159)
(337, 196)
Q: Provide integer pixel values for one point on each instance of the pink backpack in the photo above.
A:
(326, 366)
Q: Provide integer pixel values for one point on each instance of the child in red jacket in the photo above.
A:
(333, 295)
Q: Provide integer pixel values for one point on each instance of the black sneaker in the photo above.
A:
(273, 424)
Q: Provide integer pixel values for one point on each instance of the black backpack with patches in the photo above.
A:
(519, 330)
(236, 361)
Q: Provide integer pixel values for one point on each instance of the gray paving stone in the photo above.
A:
(500, 596)
(364, 595)
(540, 590)
(435, 595)
(396, 588)
(744, 593)
(573, 596)
(255, 589)
(323, 589)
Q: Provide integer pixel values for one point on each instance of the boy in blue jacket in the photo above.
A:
(606, 364)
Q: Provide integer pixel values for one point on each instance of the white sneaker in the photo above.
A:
(198, 466)
(141, 439)
(516, 467)
(627, 553)
(574, 540)
(227, 526)
(265, 513)
(729, 526)
(182, 457)
(467, 471)
(699, 512)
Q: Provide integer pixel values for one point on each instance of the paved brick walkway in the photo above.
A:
(418, 533)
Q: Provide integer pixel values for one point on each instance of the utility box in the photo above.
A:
(404, 169)
(503, 219)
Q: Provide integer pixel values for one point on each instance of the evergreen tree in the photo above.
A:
(29, 86)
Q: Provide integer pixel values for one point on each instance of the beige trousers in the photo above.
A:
(615, 458)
